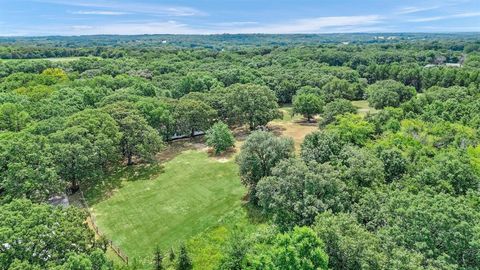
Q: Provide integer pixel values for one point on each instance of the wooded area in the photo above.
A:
(395, 186)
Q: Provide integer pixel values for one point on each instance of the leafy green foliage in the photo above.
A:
(193, 115)
(321, 146)
(388, 93)
(296, 192)
(299, 249)
(393, 188)
(138, 138)
(450, 172)
(336, 108)
(251, 104)
(12, 117)
(220, 137)
(259, 154)
(439, 226)
(351, 128)
(86, 147)
(308, 105)
(350, 246)
(27, 168)
(338, 89)
(361, 170)
(40, 236)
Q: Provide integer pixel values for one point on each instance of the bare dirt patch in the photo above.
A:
(297, 130)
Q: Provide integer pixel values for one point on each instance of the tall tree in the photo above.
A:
(335, 108)
(13, 117)
(388, 93)
(296, 193)
(183, 260)
(86, 147)
(138, 138)
(259, 154)
(308, 105)
(193, 115)
(251, 104)
(44, 236)
(298, 249)
(157, 259)
(27, 168)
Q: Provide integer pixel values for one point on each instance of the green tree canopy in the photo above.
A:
(13, 117)
(193, 115)
(388, 93)
(138, 138)
(27, 168)
(299, 249)
(308, 105)
(321, 146)
(296, 192)
(258, 155)
(251, 104)
(335, 108)
(220, 137)
(44, 236)
(86, 147)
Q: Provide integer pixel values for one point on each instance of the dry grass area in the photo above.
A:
(295, 130)
(295, 127)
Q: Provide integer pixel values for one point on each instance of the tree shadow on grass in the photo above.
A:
(174, 148)
(106, 187)
(304, 122)
(254, 213)
(114, 180)
(223, 156)
(276, 129)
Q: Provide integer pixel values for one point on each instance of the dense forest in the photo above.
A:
(396, 187)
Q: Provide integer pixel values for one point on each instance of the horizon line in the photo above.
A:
(238, 34)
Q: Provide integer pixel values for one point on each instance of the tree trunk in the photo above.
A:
(75, 187)
(193, 133)
(129, 160)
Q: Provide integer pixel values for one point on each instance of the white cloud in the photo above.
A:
(168, 27)
(100, 12)
(313, 25)
(230, 24)
(436, 29)
(445, 17)
(410, 10)
(143, 8)
(310, 25)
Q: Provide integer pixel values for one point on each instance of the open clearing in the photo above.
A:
(192, 193)
(189, 196)
(363, 107)
(294, 127)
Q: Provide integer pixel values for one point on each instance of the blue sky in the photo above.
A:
(86, 17)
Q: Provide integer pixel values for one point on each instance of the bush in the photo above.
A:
(220, 137)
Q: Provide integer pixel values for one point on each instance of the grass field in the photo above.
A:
(189, 196)
(191, 193)
(294, 127)
(363, 107)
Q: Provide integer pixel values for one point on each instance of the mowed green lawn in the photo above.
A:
(363, 107)
(191, 194)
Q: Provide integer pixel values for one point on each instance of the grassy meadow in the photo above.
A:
(191, 193)
(188, 197)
